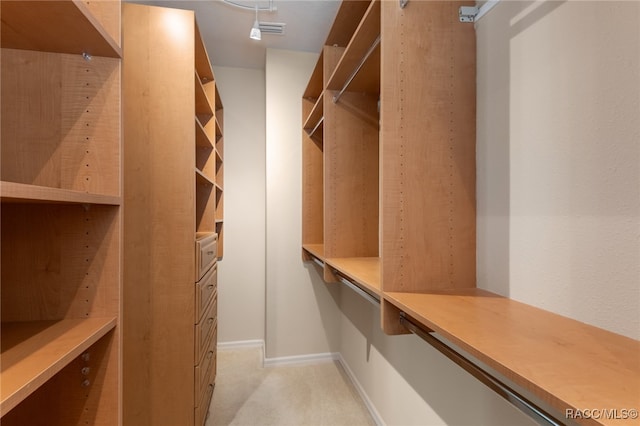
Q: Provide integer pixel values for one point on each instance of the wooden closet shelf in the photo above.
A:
(202, 139)
(203, 179)
(219, 159)
(365, 271)
(564, 362)
(203, 105)
(218, 188)
(202, 63)
(315, 85)
(55, 26)
(218, 129)
(24, 193)
(315, 117)
(32, 352)
(363, 39)
(315, 250)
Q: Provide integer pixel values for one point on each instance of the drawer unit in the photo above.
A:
(206, 368)
(205, 290)
(205, 329)
(206, 252)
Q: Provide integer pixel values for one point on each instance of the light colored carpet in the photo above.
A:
(315, 395)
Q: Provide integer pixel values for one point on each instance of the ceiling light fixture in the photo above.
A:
(255, 33)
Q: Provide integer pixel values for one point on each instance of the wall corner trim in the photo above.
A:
(301, 359)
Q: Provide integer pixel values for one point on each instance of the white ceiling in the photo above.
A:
(225, 28)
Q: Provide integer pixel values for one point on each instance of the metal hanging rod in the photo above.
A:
(318, 261)
(375, 44)
(523, 404)
(344, 280)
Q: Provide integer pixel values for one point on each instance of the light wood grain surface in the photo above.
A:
(566, 363)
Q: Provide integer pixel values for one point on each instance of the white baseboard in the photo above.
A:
(367, 402)
(241, 344)
(300, 359)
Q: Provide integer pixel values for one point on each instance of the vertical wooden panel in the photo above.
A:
(159, 224)
(428, 148)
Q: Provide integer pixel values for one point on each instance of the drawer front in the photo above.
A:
(204, 369)
(203, 406)
(205, 329)
(206, 288)
(206, 254)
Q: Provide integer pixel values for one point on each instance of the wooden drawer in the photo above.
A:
(206, 252)
(204, 370)
(205, 329)
(203, 406)
(206, 288)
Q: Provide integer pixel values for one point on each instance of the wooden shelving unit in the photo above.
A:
(60, 192)
(363, 271)
(174, 222)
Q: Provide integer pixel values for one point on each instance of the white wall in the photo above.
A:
(559, 158)
(241, 273)
(302, 316)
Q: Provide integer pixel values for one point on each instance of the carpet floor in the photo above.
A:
(315, 395)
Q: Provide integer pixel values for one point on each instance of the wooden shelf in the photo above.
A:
(315, 86)
(316, 250)
(566, 363)
(218, 129)
(219, 160)
(203, 179)
(218, 188)
(23, 193)
(32, 352)
(365, 271)
(202, 140)
(55, 26)
(203, 106)
(368, 79)
(314, 121)
(202, 63)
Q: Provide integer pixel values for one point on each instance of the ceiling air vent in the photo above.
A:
(272, 27)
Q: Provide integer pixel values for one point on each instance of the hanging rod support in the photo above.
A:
(536, 413)
(403, 3)
(473, 14)
(375, 44)
(357, 289)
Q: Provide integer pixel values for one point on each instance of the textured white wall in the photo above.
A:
(241, 274)
(559, 158)
(302, 316)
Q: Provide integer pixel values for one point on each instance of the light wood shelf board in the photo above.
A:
(347, 20)
(219, 159)
(23, 193)
(363, 39)
(202, 63)
(203, 179)
(202, 140)
(32, 352)
(316, 250)
(203, 105)
(315, 116)
(218, 129)
(315, 85)
(566, 363)
(363, 270)
(74, 30)
(219, 188)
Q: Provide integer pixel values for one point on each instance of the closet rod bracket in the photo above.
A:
(467, 13)
(403, 3)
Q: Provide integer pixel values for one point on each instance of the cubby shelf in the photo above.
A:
(368, 79)
(315, 119)
(564, 362)
(24, 193)
(203, 179)
(203, 105)
(202, 140)
(34, 351)
(65, 26)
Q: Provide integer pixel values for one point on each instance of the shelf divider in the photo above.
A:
(34, 351)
